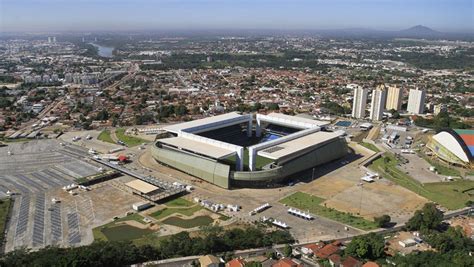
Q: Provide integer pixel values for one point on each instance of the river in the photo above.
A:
(104, 51)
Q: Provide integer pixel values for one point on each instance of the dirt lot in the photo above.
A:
(343, 191)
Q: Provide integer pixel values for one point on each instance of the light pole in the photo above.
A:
(361, 185)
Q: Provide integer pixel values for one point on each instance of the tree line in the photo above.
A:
(452, 246)
(210, 240)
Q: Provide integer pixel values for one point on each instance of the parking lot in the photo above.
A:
(39, 165)
(35, 172)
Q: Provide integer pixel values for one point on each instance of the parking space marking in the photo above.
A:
(38, 221)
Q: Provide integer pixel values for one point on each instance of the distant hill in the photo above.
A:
(420, 31)
(416, 32)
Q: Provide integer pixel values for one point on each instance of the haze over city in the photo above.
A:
(118, 15)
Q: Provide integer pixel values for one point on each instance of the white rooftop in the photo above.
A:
(297, 119)
(176, 128)
(296, 145)
(142, 186)
(198, 147)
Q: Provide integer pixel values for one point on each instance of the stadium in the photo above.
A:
(243, 150)
(454, 147)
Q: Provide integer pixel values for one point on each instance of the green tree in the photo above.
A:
(181, 110)
(273, 106)
(383, 221)
(102, 115)
(287, 250)
(428, 218)
(369, 246)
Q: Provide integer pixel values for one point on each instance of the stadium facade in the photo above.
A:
(454, 147)
(243, 150)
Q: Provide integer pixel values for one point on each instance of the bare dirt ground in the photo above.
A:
(343, 191)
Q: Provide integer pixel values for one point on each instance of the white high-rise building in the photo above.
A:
(359, 103)
(416, 101)
(379, 96)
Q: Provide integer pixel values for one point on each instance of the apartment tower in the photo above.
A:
(379, 96)
(416, 101)
(359, 103)
(394, 98)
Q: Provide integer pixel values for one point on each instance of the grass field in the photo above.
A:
(370, 146)
(124, 232)
(259, 161)
(188, 223)
(4, 209)
(127, 139)
(152, 240)
(99, 232)
(447, 194)
(306, 202)
(187, 211)
(179, 202)
(105, 137)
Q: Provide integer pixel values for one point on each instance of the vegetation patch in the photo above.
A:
(105, 137)
(306, 202)
(259, 160)
(103, 232)
(124, 232)
(179, 202)
(370, 146)
(447, 194)
(211, 240)
(127, 139)
(188, 223)
(170, 211)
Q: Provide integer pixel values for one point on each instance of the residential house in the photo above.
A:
(210, 261)
(235, 263)
(351, 262)
(287, 262)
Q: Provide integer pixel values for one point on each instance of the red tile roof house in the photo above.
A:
(235, 263)
(287, 262)
(327, 251)
(335, 260)
(351, 262)
(311, 249)
(370, 264)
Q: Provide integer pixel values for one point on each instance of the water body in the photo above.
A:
(104, 51)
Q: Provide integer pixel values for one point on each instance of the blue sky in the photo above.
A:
(63, 15)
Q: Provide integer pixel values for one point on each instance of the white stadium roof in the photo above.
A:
(291, 147)
(202, 123)
(198, 147)
(451, 143)
(298, 119)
